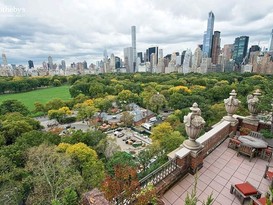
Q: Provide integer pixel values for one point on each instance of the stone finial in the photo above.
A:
(193, 124)
(231, 105)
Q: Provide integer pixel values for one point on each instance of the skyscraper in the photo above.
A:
(4, 59)
(151, 50)
(240, 49)
(227, 51)
(215, 52)
(50, 62)
(30, 64)
(128, 59)
(207, 41)
(133, 32)
(63, 65)
(271, 42)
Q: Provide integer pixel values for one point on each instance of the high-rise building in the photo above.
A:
(63, 64)
(30, 64)
(133, 32)
(128, 59)
(187, 61)
(215, 52)
(117, 62)
(160, 53)
(227, 51)
(50, 62)
(270, 49)
(207, 41)
(140, 56)
(197, 59)
(240, 49)
(4, 59)
(45, 66)
(84, 64)
(151, 50)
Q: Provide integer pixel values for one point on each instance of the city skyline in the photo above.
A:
(81, 31)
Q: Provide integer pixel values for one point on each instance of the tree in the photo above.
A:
(119, 159)
(128, 97)
(107, 147)
(86, 112)
(8, 106)
(156, 102)
(53, 173)
(87, 163)
(90, 138)
(39, 107)
(127, 118)
(54, 104)
(122, 185)
(167, 137)
(15, 124)
(96, 90)
(11, 187)
(59, 114)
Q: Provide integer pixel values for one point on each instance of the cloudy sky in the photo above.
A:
(80, 30)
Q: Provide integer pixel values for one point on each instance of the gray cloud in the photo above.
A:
(80, 30)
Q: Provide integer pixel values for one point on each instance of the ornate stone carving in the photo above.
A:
(231, 105)
(253, 101)
(193, 124)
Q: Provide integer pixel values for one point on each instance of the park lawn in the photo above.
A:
(41, 95)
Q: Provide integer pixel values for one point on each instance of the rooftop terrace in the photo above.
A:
(221, 168)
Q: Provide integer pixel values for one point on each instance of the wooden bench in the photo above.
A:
(256, 135)
(246, 150)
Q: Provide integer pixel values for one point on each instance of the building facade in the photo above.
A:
(133, 33)
(215, 52)
(207, 41)
(240, 49)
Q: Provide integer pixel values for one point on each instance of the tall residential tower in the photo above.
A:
(270, 49)
(207, 41)
(133, 32)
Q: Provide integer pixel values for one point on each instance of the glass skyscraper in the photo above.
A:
(240, 49)
(207, 41)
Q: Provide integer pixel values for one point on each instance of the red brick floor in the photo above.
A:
(221, 169)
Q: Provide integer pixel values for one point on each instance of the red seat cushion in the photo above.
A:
(246, 188)
(236, 141)
(262, 200)
(269, 175)
(268, 151)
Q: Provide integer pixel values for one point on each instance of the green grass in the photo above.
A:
(41, 95)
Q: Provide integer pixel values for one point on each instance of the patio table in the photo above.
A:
(252, 141)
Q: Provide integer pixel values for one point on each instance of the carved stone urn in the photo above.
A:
(253, 102)
(194, 123)
(231, 105)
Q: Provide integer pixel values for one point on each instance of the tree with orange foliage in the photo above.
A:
(123, 185)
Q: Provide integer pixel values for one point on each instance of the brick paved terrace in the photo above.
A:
(221, 168)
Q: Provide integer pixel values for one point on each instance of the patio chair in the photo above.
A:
(246, 150)
(234, 143)
(268, 173)
(255, 201)
(266, 154)
(244, 190)
(256, 135)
